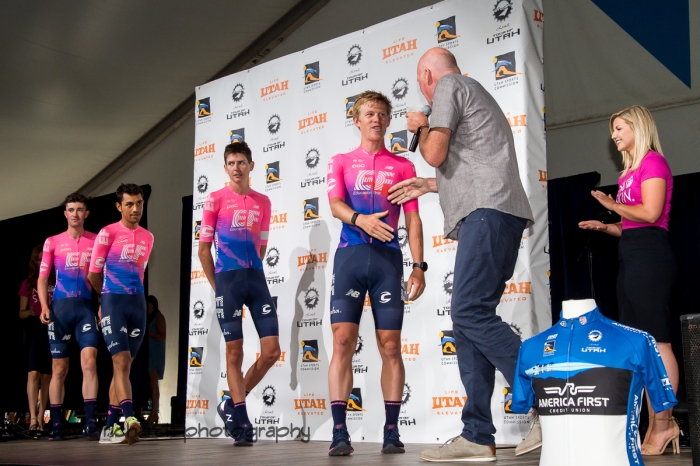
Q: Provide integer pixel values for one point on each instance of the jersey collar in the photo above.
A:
(584, 319)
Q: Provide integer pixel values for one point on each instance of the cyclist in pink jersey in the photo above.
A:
(70, 312)
(369, 260)
(238, 219)
(121, 252)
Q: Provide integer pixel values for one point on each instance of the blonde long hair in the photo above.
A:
(646, 137)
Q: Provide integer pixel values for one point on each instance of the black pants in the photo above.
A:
(645, 279)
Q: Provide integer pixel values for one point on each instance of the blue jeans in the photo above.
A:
(488, 247)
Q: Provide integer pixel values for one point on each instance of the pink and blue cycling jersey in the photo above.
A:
(71, 259)
(239, 224)
(123, 255)
(362, 181)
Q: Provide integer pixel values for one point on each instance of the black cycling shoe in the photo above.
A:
(392, 444)
(341, 443)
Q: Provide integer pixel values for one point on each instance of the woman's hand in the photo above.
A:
(593, 225)
(606, 200)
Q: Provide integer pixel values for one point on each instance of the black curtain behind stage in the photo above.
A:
(24, 233)
(584, 263)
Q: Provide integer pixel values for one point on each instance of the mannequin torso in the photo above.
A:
(577, 307)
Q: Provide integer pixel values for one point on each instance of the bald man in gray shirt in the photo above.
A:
(470, 143)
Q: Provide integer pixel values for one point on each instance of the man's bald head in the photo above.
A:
(433, 65)
(439, 61)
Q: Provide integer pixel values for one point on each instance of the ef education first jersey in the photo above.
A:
(585, 377)
(239, 224)
(71, 259)
(123, 255)
(362, 181)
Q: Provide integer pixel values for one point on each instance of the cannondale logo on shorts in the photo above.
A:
(86, 328)
(364, 180)
(385, 297)
(135, 333)
(266, 309)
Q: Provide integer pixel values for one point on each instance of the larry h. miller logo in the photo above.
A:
(236, 135)
(310, 208)
(202, 184)
(399, 89)
(354, 55)
(502, 10)
(447, 343)
(402, 236)
(198, 310)
(238, 92)
(312, 159)
(446, 30)
(309, 351)
(398, 142)
(311, 298)
(349, 103)
(447, 282)
(406, 394)
(505, 66)
(312, 73)
(272, 172)
(272, 258)
(274, 124)
(269, 396)
(203, 108)
(196, 356)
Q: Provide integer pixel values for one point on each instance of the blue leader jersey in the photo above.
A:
(585, 377)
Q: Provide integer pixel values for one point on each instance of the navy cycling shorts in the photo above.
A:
(236, 288)
(72, 317)
(123, 322)
(368, 268)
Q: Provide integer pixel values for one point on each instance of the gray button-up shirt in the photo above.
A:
(481, 170)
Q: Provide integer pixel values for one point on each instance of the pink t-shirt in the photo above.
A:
(32, 296)
(629, 191)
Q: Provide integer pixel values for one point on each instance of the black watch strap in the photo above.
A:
(421, 265)
(354, 217)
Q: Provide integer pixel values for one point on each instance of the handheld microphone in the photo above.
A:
(414, 141)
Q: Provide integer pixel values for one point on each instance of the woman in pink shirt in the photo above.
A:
(37, 343)
(647, 266)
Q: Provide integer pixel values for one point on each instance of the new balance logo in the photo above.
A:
(237, 313)
(571, 388)
(353, 293)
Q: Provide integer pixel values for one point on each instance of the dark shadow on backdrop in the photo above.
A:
(24, 233)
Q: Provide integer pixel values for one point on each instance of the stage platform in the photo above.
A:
(219, 452)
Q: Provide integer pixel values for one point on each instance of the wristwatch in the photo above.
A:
(421, 265)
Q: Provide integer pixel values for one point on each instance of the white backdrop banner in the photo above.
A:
(293, 112)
